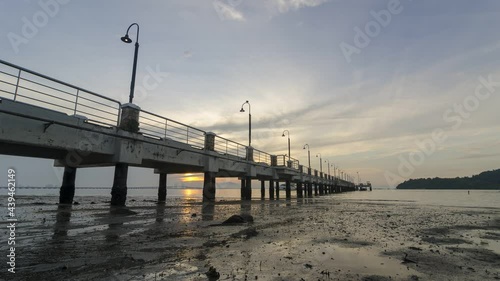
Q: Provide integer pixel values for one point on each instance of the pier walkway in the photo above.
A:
(47, 118)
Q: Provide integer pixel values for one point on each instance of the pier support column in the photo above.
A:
(288, 190)
(262, 189)
(316, 193)
(271, 189)
(67, 191)
(129, 121)
(209, 187)
(277, 190)
(247, 188)
(299, 190)
(309, 189)
(162, 188)
(321, 189)
(242, 190)
(119, 189)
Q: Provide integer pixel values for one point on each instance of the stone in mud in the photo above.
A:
(212, 274)
(237, 219)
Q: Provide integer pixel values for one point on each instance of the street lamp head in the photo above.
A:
(242, 110)
(126, 39)
(284, 135)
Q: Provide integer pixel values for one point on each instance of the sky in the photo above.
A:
(390, 89)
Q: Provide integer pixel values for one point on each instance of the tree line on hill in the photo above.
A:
(485, 180)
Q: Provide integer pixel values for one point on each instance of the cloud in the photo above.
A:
(227, 12)
(287, 5)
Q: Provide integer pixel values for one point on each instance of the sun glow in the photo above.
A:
(191, 178)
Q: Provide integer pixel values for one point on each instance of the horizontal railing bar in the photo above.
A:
(147, 112)
(103, 104)
(8, 83)
(8, 74)
(100, 117)
(6, 92)
(57, 81)
(46, 86)
(30, 98)
(41, 93)
(97, 109)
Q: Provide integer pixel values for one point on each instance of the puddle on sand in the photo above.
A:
(487, 239)
(292, 260)
(177, 271)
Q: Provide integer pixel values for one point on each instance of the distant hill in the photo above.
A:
(485, 180)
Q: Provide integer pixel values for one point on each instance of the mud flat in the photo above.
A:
(324, 238)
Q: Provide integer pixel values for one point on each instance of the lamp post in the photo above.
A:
(127, 40)
(289, 155)
(328, 161)
(308, 154)
(249, 122)
(320, 162)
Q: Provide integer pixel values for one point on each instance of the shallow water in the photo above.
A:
(476, 198)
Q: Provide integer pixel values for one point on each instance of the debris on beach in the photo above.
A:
(407, 260)
(212, 274)
(246, 233)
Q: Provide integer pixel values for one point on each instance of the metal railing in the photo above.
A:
(229, 147)
(283, 161)
(26, 86)
(157, 126)
(261, 157)
(23, 85)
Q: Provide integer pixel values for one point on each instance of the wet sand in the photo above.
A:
(323, 238)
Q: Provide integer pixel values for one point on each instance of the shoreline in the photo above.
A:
(321, 238)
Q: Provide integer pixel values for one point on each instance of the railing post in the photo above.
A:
(165, 128)
(249, 153)
(210, 141)
(17, 84)
(187, 135)
(76, 100)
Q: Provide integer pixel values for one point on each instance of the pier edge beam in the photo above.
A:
(67, 191)
(162, 188)
(129, 121)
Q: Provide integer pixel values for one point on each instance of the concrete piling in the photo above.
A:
(67, 191)
(119, 189)
(263, 189)
(271, 189)
(209, 186)
(249, 188)
(162, 188)
(129, 121)
(299, 190)
(277, 190)
(288, 190)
